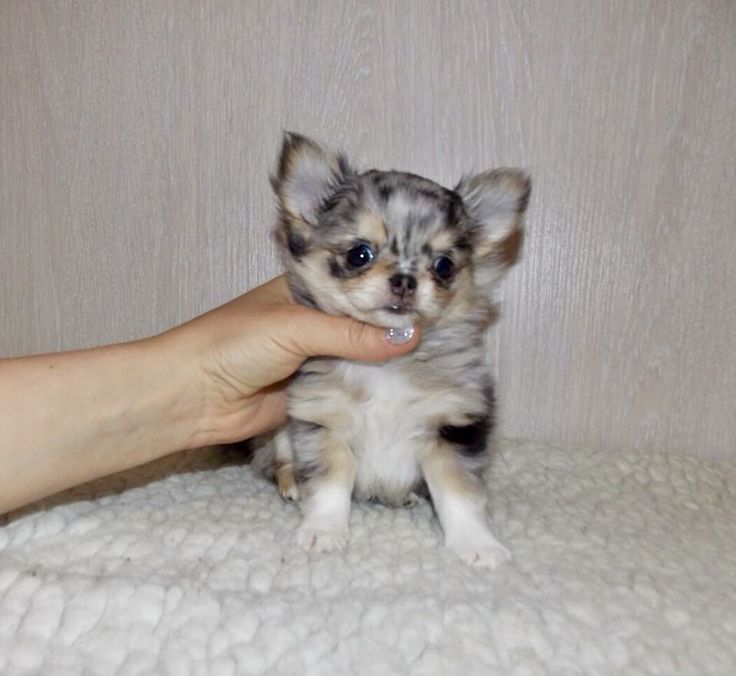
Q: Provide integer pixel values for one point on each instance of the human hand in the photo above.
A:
(244, 351)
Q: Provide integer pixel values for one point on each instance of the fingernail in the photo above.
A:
(399, 336)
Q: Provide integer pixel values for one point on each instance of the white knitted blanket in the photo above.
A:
(623, 563)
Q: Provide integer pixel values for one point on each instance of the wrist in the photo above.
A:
(179, 390)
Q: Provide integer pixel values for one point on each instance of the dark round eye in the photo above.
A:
(359, 256)
(443, 267)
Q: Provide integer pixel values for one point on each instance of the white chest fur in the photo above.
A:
(388, 414)
(387, 426)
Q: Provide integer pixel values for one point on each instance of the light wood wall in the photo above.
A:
(136, 139)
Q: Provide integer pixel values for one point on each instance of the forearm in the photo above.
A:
(72, 417)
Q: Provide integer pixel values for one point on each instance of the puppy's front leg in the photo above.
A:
(326, 507)
(459, 498)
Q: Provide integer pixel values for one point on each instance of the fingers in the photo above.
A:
(319, 334)
(275, 290)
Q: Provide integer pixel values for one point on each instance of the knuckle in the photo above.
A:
(357, 334)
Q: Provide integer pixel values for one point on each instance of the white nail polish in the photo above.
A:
(399, 336)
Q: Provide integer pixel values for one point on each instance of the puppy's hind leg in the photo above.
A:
(284, 465)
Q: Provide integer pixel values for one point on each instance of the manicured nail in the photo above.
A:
(399, 336)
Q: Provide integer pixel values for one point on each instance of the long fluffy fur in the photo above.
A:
(385, 431)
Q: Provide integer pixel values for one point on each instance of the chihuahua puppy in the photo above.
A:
(394, 250)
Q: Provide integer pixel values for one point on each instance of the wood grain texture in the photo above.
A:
(136, 140)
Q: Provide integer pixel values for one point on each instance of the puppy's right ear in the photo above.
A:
(306, 176)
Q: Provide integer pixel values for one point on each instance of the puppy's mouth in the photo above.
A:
(400, 308)
(394, 315)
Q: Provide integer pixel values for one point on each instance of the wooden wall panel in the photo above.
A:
(136, 140)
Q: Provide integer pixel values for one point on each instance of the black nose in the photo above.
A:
(403, 285)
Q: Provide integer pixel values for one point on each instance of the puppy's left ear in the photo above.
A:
(496, 200)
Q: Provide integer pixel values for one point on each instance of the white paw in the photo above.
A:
(321, 539)
(484, 554)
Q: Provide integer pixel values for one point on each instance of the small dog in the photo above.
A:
(393, 249)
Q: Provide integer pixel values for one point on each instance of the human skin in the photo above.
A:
(71, 417)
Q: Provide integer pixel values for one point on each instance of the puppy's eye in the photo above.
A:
(359, 256)
(443, 267)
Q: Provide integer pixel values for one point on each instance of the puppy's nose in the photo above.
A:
(403, 285)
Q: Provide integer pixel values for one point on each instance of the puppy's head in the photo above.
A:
(392, 248)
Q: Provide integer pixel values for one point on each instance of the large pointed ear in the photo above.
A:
(496, 200)
(307, 174)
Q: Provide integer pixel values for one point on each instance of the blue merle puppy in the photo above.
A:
(395, 250)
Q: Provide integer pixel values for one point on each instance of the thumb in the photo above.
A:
(326, 335)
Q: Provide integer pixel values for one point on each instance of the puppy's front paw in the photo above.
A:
(317, 538)
(486, 553)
